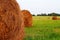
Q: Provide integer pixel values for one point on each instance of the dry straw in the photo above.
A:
(27, 18)
(54, 18)
(11, 21)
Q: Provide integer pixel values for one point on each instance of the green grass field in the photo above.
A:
(44, 28)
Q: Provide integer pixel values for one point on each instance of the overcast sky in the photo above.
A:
(40, 6)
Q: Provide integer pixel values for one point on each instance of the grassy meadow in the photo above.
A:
(44, 28)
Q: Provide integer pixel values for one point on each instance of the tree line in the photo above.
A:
(50, 14)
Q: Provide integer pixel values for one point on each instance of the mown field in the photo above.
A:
(44, 28)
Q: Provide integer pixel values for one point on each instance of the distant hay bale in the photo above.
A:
(58, 18)
(27, 18)
(11, 21)
(54, 18)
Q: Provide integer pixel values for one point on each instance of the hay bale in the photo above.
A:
(11, 21)
(27, 18)
(58, 18)
(54, 18)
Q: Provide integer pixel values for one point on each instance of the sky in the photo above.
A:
(40, 6)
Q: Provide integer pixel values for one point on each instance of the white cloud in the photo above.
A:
(39, 6)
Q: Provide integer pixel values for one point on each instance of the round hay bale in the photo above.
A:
(58, 18)
(54, 18)
(27, 18)
(11, 21)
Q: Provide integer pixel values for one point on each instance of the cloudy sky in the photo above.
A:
(40, 6)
